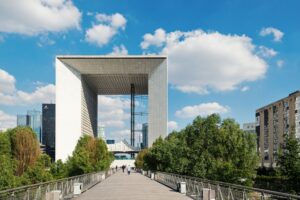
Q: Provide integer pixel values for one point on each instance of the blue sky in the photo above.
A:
(230, 57)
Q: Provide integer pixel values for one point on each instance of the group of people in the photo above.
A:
(123, 169)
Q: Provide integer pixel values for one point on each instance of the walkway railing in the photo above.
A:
(65, 185)
(221, 190)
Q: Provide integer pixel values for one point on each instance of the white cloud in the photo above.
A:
(7, 82)
(157, 39)
(106, 28)
(9, 95)
(7, 121)
(279, 63)
(120, 134)
(203, 109)
(277, 34)
(172, 125)
(266, 52)
(112, 111)
(203, 61)
(32, 17)
(119, 50)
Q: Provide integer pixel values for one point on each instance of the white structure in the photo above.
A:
(80, 79)
(122, 147)
(101, 132)
(249, 127)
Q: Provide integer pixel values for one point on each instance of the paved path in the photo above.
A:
(130, 187)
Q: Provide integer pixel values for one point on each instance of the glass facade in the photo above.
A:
(145, 135)
(35, 122)
(48, 129)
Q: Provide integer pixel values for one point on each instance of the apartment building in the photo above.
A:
(273, 121)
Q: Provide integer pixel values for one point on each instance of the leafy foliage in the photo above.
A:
(22, 163)
(289, 159)
(208, 148)
(25, 148)
(90, 155)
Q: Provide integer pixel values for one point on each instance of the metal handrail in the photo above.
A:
(223, 190)
(39, 190)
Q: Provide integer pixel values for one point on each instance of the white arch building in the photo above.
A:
(80, 79)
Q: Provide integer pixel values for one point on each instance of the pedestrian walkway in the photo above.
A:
(130, 187)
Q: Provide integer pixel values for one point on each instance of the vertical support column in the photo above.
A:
(132, 124)
(132, 109)
(158, 103)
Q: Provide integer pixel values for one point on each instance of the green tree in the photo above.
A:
(208, 148)
(90, 155)
(289, 159)
(40, 171)
(7, 178)
(139, 160)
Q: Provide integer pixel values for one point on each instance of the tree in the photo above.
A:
(208, 148)
(289, 159)
(90, 155)
(25, 148)
(139, 160)
(7, 178)
(40, 171)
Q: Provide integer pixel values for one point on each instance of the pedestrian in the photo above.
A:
(128, 169)
(123, 168)
(116, 167)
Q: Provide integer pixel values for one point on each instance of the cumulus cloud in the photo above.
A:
(32, 17)
(112, 111)
(119, 50)
(9, 95)
(7, 82)
(172, 125)
(266, 52)
(106, 27)
(203, 109)
(202, 61)
(157, 39)
(7, 121)
(276, 33)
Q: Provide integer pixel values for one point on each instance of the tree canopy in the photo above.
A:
(208, 148)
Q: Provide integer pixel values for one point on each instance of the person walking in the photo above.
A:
(128, 169)
(123, 168)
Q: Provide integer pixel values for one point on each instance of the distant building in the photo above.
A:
(249, 127)
(273, 121)
(33, 119)
(48, 130)
(110, 141)
(35, 122)
(145, 135)
(101, 132)
(22, 120)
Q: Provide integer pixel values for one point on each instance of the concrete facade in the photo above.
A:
(273, 121)
(80, 79)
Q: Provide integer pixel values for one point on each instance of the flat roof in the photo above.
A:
(113, 75)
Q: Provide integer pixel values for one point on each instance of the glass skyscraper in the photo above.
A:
(35, 122)
(33, 119)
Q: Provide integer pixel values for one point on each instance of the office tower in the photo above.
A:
(101, 132)
(35, 122)
(273, 122)
(48, 130)
(22, 120)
